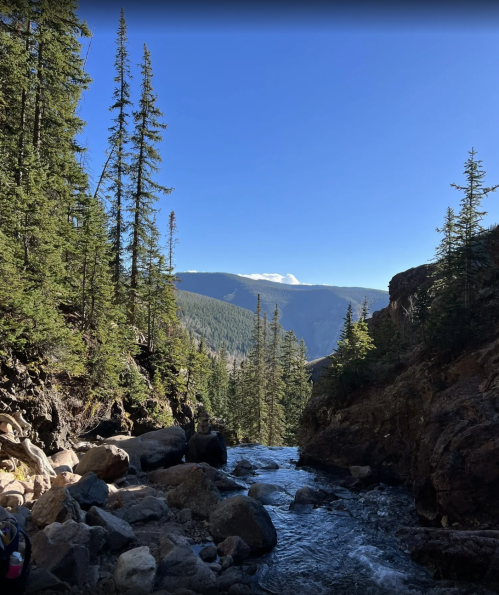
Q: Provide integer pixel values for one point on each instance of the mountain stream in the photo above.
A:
(346, 548)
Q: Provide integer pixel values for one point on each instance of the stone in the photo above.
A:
(64, 457)
(270, 466)
(307, 495)
(11, 500)
(148, 509)
(63, 469)
(40, 579)
(119, 532)
(6, 428)
(235, 547)
(65, 479)
(28, 485)
(208, 553)
(226, 562)
(243, 468)
(56, 505)
(361, 472)
(77, 533)
(182, 569)
(246, 518)
(232, 576)
(67, 561)
(263, 492)
(173, 476)
(5, 479)
(214, 567)
(208, 448)
(197, 492)
(184, 515)
(107, 461)
(41, 484)
(135, 569)
(89, 491)
(152, 450)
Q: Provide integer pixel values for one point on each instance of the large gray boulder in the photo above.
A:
(64, 550)
(56, 505)
(136, 570)
(107, 461)
(152, 450)
(247, 518)
(207, 448)
(89, 491)
(174, 476)
(180, 568)
(197, 493)
(148, 509)
(264, 492)
(119, 531)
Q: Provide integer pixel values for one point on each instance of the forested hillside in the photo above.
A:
(218, 322)
(314, 312)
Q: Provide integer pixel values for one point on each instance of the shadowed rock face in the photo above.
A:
(434, 424)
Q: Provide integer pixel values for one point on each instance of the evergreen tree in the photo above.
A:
(257, 415)
(471, 256)
(145, 160)
(219, 384)
(118, 160)
(274, 386)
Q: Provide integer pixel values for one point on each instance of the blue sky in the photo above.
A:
(322, 148)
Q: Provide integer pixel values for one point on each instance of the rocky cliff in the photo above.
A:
(433, 423)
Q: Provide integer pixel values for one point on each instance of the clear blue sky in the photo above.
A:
(321, 145)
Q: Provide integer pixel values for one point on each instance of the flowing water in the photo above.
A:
(346, 548)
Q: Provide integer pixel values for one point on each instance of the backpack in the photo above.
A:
(13, 586)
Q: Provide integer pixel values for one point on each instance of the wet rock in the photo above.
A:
(89, 491)
(182, 569)
(235, 547)
(232, 576)
(119, 532)
(207, 448)
(263, 492)
(65, 479)
(148, 509)
(243, 468)
(136, 569)
(208, 553)
(56, 505)
(40, 579)
(107, 461)
(270, 466)
(64, 457)
(307, 495)
(246, 518)
(160, 448)
(197, 493)
(457, 555)
(361, 472)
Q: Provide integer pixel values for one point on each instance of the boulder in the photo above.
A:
(136, 569)
(41, 484)
(361, 472)
(148, 509)
(160, 448)
(235, 547)
(40, 579)
(173, 476)
(264, 492)
(65, 479)
(5, 479)
(77, 534)
(208, 553)
(108, 462)
(307, 495)
(89, 491)
(12, 494)
(246, 518)
(226, 562)
(119, 532)
(56, 505)
(207, 448)
(180, 568)
(197, 492)
(239, 589)
(243, 468)
(64, 457)
(232, 576)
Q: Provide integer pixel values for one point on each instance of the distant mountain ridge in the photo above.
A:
(314, 312)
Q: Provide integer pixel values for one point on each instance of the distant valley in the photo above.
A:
(314, 312)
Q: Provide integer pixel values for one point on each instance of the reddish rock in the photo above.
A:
(107, 461)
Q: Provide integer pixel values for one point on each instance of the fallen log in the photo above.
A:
(28, 453)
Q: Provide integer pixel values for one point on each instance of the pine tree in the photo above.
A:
(118, 159)
(274, 386)
(257, 415)
(471, 256)
(145, 160)
(219, 384)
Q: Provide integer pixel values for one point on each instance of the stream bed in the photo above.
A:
(346, 548)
